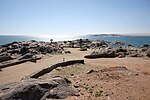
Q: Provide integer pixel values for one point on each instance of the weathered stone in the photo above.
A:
(55, 88)
(148, 53)
(67, 52)
(107, 54)
(117, 43)
(24, 50)
(5, 58)
(26, 56)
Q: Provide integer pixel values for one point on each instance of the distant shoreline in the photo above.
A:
(120, 35)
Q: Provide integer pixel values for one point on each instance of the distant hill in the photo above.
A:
(107, 35)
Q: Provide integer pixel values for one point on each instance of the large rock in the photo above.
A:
(120, 49)
(24, 50)
(13, 51)
(5, 58)
(117, 43)
(148, 53)
(32, 89)
(98, 43)
(26, 56)
(102, 54)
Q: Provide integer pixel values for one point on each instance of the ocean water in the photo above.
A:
(4, 39)
(133, 40)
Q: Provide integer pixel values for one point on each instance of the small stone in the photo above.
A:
(81, 93)
(78, 90)
(76, 85)
(90, 71)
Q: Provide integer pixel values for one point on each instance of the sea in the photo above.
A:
(132, 40)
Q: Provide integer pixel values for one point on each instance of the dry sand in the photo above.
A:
(17, 72)
(128, 88)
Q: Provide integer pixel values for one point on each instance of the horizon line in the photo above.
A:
(94, 33)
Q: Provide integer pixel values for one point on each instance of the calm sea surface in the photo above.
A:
(10, 38)
(133, 40)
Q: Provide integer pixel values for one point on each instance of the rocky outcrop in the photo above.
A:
(117, 43)
(33, 47)
(98, 44)
(109, 54)
(26, 56)
(19, 62)
(148, 53)
(19, 52)
(120, 52)
(5, 58)
(32, 89)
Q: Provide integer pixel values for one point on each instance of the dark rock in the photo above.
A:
(120, 50)
(146, 45)
(19, 62)
(83, 49)
(108, 54)
(135, 55)
(148, 53)
(13, 51)
(117, 43)
(67, 52)
(32, 40)
(55, 88)
(121, 55)
(3, 50)
(98, 43)
(91, 71)
(5, 58)
(130, 45)
(24, 50)
(59, 93)
(26, 56)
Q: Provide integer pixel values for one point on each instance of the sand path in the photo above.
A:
(17, 72)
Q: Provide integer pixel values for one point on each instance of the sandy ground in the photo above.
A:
(17, 72)
(128, 88)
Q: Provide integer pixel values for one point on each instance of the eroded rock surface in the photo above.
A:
(34, 89)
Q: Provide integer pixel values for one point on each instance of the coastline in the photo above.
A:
(120, 69)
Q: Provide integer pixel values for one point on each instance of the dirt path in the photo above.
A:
(17, 72)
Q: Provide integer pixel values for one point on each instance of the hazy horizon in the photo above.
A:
(70, 35)
(74, 17)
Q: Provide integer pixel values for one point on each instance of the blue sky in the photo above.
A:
(72, 17)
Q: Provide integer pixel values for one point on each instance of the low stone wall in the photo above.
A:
(19, 62)
(49, 69)
(99, 56)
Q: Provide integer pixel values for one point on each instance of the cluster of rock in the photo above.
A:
(76, 43)
(20, 52)
(23, 50)
(35, 89)
(122, 51)
(102, 43)
(83, 44)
